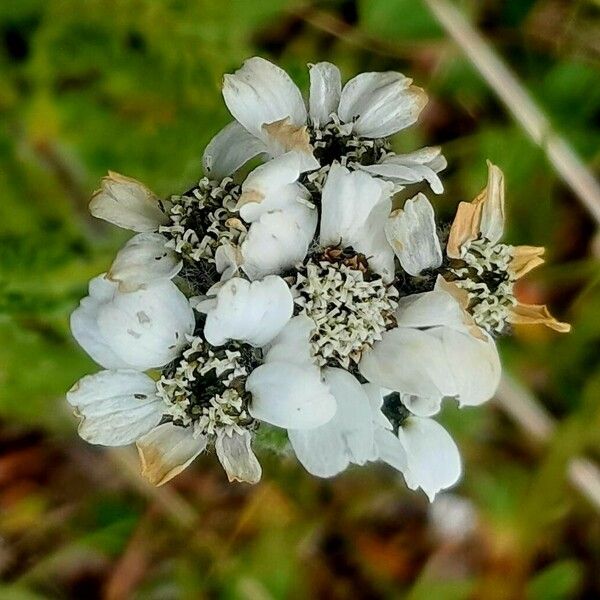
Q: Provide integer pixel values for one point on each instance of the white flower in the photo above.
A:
(422, 450)
(272, 118)
(355, 207)
(142, 260)
(354, 210)
(127, 203)
(433, 353)
(140, 330)
(282, 219)
(249, 312)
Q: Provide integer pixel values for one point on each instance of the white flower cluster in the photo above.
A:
(295, 297)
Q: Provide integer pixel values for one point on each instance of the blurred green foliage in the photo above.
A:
(134, 86)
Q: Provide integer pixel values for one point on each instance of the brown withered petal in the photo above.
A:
(462, 297)
(166, 451)
(525, 259)
(534, 314)
(492, 213)
(248, 197)
(289, 136)
(465, 227)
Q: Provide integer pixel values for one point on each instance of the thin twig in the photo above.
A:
(520, 404)
(520, 104)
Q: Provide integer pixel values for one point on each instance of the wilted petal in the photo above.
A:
(167, 450)
(272, 186)
(433, 460)
(235, 454)
(382, 103)
(346, 438)
(127, 203)
(283, 137)
(355, 207)
(147, 328)
(228, 259)
(229, 150)
(144, 259)
(524, 259)
(465, 226)
(411, 232)
(260, 92)
(278, 241)
(492, 214)
(115, 407)
(253, 313)
(325, 90)
(409, 361)
(536, 314)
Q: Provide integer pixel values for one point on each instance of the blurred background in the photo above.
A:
(134, 86)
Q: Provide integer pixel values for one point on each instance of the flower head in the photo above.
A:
(295, 297)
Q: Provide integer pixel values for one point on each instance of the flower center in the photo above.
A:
(484, 273)
(351, 306)
(335, 142)
(200, 221)
(205, 389)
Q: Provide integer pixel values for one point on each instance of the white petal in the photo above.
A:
(293, 343)
(144, 259)
(407, 169)
(236, 456)
(355, 207)
(127, 203)
(390, 449)
(229, 150)
(325, 90)
(260, 92)
(346, 438)
(475, 365)
(253, 313)
(433, 459)
(409, 361)
(167, 450)
(382, 103)
(430, 309)
(375, 395)
(290, 396)
(422, 407)
(411, 232)
(147, 328)
(278, 241)
(270, 187)
(84, 325)
(116, 407)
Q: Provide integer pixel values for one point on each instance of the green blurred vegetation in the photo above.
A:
(134, 86)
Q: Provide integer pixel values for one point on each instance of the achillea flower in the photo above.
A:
(295, 298)
(349, 124)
